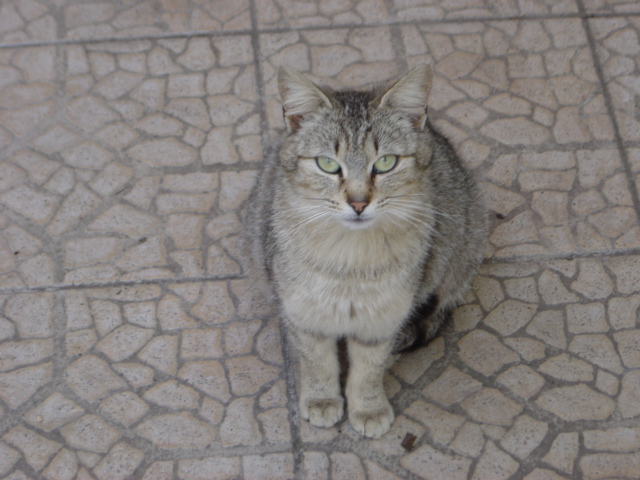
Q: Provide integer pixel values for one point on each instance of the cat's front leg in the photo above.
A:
(320, 399)
(370, 412)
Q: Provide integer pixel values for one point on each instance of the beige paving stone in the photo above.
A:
(274, 465)
(208, 377)
(527, 348)
(161, 353)
(576, 403)
(27, 352)
(123, 342)
(525, 436)
(107, 315)
(239, 426)
(609, 465)
(431, 464)
(628, 347)
(212, 411)
(124, 219)
(597, 349)
(275, 424)
(173, 395)
(521, 381)
(134, 373)
(37, 450)
(548, 326)
(491, 406)
(142, 314)
(629, 392)
(495, 464)
(215, 305)
(508, 317)
(214, 468)
(54, 412)
(9, 457)
(124, 408)
(391, 443)
(617, 439)
(18, 386)
(467, 317)
(607, 383)
(36, 206)
(88, 251)
(171, 314)
(160, 471)
(201, 343)
(248, 374)
(276, 396)
(346, 465)
(567, 368)
(315, 466)
(63, 466)
(79, 342)
(91, 378)
(543, 473)
(626, 273)
(119, 463)
(90, 433)
(484, 353)
(488, 291)
(451, 387)
(172, 431)
(441, 424)
(239, 336)
(586, 318)
(563, 452)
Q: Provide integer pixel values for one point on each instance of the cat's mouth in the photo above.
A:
(358, 222)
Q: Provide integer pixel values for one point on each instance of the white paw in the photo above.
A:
(372, 422)
(324, 412)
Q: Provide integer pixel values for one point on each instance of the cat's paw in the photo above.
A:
(372, 423)
(323, 412)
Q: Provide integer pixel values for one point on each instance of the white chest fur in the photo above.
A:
(355, 285)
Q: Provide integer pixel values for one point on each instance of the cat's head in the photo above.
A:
(357, 158)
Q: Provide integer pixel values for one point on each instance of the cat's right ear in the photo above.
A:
(410, 94)
(300, 97)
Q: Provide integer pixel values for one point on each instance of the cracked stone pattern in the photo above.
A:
(131, 345)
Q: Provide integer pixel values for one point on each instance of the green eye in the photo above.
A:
(328, 165)
(385, 163)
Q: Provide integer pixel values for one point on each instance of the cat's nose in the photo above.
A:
(359, 206)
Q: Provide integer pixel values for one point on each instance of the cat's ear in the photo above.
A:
(300, 97)
(410, 94)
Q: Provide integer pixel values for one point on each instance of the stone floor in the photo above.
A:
(131, 346)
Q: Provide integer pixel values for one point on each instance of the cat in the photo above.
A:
(369, 229)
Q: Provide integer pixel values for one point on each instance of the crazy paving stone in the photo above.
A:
(54, 412)
(90, 433)
(576, 403)
(433, 465)
(173, 431)
(37, 450)
(495, 463)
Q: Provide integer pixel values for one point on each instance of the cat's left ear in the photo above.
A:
(410, 94)
(300, 97)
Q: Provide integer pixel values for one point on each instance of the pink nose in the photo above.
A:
(358, 206)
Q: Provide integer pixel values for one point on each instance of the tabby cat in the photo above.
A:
(368, 228)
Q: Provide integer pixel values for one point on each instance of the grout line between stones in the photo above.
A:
(222, 278)
(610, 107)
(256, 29)
(297, 449)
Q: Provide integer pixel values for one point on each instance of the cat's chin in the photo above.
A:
(358, 223)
